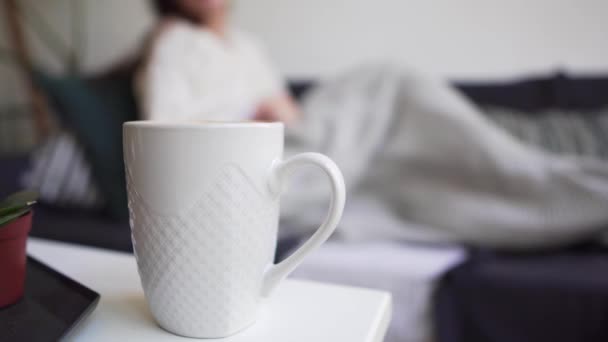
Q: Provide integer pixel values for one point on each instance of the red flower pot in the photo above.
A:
(13, 237)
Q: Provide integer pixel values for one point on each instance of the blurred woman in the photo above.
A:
(198, 67)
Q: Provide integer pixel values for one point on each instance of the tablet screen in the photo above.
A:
(52, 305)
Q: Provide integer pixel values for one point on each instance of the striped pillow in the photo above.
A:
(558, 131)
(62, 175)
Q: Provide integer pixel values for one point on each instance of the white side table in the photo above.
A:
(297, 311)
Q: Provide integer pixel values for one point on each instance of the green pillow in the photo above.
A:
(94, 110)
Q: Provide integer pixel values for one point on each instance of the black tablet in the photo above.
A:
(52, 305)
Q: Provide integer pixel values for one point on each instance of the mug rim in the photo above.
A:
(200, 124)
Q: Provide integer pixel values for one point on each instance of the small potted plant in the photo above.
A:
(15, 225)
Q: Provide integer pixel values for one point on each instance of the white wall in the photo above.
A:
(316, 38)
(462, 38)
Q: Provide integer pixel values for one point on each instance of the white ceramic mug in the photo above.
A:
(204, 209)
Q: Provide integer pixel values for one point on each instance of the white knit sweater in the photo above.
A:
(192, 74)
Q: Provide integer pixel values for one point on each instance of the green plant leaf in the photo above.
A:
(16, 205)
(11, 209)
(14, 215)
(21, 198)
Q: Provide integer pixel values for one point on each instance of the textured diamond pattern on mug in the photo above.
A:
(201, 269)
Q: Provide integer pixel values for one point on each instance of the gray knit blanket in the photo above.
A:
(421, 163)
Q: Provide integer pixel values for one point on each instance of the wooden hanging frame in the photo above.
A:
(18, 43)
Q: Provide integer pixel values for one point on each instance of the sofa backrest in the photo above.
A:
(557, 91)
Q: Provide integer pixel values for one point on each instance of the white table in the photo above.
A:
(297, 311)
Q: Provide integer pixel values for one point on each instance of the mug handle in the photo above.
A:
(279, 172)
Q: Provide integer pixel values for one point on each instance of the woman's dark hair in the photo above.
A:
(165, 8)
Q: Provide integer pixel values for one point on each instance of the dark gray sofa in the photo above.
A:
(559, 295)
